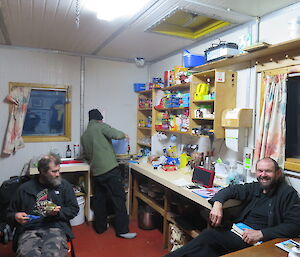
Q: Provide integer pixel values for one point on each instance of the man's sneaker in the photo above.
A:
(128, 235)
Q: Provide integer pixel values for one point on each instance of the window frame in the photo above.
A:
(67, 122)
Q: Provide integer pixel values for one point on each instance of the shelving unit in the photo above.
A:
(166, 181)
(144, 125)
(224, 87)
(163, 209)
(183, 88)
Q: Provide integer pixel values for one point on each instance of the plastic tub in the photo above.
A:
(120, 146)
(192, 60)
(79, 219)
(139, 87)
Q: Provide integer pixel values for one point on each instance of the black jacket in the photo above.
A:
(26, 199)
(283, 210)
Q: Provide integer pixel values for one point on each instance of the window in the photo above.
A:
(292, 149)
(48, 116)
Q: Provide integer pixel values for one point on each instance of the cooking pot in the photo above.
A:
(146, 218)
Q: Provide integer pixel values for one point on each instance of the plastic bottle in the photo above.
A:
(207, 162)
(76, 151)
(68, 152)
(232, 174)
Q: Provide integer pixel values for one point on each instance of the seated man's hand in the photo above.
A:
(251, 236)
(21, 217)
(55, 211)
(216, 214)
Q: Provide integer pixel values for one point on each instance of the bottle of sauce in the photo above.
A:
(68, 152)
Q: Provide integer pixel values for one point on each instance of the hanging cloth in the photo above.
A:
(270, 141)
(19, 99)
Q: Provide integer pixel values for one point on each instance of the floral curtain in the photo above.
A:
(270, 140)
(19, 98)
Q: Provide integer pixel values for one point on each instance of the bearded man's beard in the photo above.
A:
(52, 181)
(268, 186)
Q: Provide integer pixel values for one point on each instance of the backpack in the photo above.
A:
(7, 192)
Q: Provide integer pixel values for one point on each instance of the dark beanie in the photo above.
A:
(95, 115)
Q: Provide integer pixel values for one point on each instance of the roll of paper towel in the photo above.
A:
(232, 138)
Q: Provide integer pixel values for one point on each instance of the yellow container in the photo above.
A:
(201, 90)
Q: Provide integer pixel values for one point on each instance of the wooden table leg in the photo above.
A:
(165, 218)
(135, 200)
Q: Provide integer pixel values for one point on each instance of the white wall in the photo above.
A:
(108, 86)
(274, 28)
(35, 67)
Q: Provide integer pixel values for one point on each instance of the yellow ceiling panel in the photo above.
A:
(189, 25)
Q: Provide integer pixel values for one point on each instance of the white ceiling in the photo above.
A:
(50, 24)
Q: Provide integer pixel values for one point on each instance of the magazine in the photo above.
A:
(206, 192)
(288, 245)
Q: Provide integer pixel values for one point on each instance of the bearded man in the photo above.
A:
(41, 210)
(270, 206)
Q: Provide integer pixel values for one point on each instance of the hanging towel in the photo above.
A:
(19, 99)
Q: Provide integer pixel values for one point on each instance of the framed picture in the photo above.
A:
(48, 116)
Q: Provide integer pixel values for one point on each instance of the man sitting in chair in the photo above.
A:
(41, 210)
(271, 208)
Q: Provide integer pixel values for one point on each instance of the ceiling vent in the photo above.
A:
(187, 24)
(193, 20)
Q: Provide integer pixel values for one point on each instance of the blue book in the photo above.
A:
(238, 228)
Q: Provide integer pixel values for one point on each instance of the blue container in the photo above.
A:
(192, 60)
(139, 87)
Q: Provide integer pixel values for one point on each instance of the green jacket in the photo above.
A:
(97, 146)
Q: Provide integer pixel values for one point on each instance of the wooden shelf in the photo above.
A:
(193, 135)
(145, 109)
(145, 92)
(204, 101)
(143, 114)
(145, 128)
(172, 131)
(253, 56)
(212, 119)
(148, 145)
(172, 108)
(150, 202)
(184, 86)
(192, 233)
